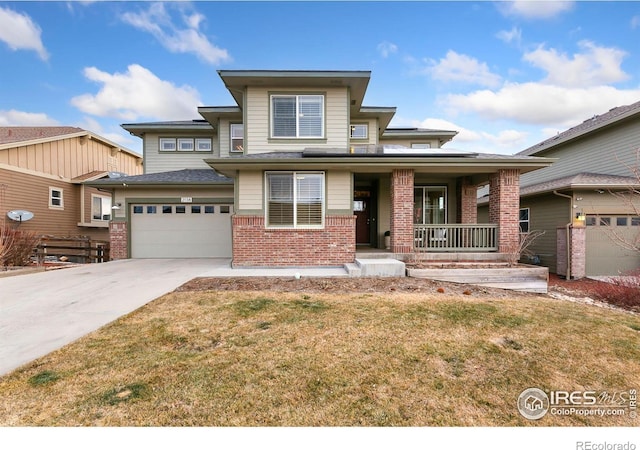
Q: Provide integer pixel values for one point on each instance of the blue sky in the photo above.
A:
(506, 75)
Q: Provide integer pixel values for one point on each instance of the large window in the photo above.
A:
(430, 205)
(297, 116)
(100, 208)
(295, 199)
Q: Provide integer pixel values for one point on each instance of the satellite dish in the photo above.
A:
(20, 215)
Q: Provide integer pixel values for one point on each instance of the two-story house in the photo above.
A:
(585, 195)
(300, 173)
(43, 170)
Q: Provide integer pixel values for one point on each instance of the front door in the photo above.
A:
(361, 208)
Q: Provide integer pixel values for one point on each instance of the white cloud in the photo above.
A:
(137, 93)
(594, 66)
(464, 134)
(387, 48)
(635, 22)
(462, 68)
(186, 39)
(19, 32)
(512, 35)
(542, 104)
(538, 9)
(13, 117)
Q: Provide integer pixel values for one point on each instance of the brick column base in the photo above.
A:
(118, 241)
(578, 255)
(255, 245)
(402, 211)
(504, 208)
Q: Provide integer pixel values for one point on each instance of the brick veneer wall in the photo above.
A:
(468, 202)
(578, 255)
(255, 245)
(504, 208)
(118, 240)
(402, 210)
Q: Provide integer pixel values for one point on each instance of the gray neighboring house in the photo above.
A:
(577, 194)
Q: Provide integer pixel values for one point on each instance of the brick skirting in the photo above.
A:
(255, 245)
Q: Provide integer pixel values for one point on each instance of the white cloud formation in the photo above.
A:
(387, 48)
(462, 68)
(538, 9)
(19, 32)
(186, 39)
(593, 66)
(137, 93)
(514, 35)
(13, 117)
(541, 104)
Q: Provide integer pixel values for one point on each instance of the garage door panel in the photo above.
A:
(180, 235)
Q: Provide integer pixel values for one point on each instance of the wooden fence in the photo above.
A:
(75, 249)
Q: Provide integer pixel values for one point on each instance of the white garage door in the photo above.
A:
(180, 231)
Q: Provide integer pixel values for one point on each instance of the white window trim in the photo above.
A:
(182, 141)
(207, 141)
(353, 126)
(295, 226)
(297, 97)
(101, 197)
(164, 141)
(231, 138)
(51, 205)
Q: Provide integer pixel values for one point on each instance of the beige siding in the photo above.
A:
(605, 257)
(250, 188)
(156, 161)
(31, 192)
(547, 213)
(339, 190)
(407, 142)
(224, 136)
(604, 153)
(257, 113)
(71, 157)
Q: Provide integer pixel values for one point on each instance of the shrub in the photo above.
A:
(621, 291)
(16, 247)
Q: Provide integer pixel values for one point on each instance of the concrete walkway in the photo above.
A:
(41, 312)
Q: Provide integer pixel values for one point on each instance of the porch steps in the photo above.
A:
(376, 267)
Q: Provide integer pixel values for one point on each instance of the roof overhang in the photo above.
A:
(460, 166)
(443, 136)
(213, 114)
(237, 80)
(384, 114)
(139, 129)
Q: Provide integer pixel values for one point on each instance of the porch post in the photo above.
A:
(468, 204)
(402, 211)
(504, 208)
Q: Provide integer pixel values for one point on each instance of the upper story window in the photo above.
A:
(56, 199)
(359, 131)
(168, 144)
(297, 116)
(420, 145)
(237, 137)
(100, 207)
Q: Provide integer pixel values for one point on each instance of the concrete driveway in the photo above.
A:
(41, 312)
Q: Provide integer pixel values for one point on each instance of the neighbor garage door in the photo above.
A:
(180, 231)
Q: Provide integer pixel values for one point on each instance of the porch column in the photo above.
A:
(402, 211)
(468, 204)
(504, 208)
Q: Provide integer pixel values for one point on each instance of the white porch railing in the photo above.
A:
(456, 238)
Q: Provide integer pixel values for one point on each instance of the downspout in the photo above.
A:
(567, 227)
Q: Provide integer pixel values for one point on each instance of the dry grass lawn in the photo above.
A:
(234, 358)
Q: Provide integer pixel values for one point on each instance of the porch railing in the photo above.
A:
(456, 238)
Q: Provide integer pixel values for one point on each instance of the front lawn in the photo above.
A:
(264, 358)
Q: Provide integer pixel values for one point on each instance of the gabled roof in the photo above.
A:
(590, 125)
(16, 136)
(184, 176)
